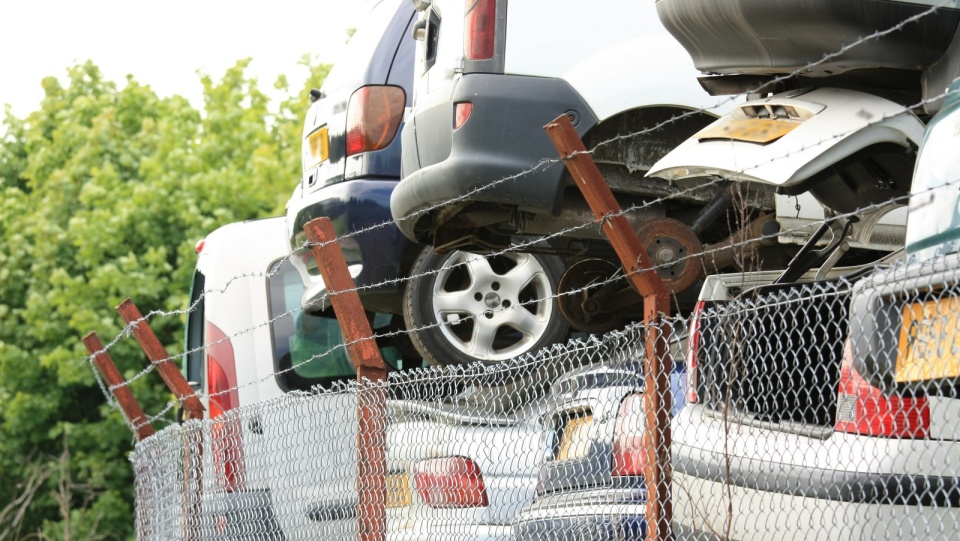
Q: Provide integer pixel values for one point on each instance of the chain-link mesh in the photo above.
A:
(819, 410)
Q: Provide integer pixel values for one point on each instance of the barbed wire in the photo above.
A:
(517, 247)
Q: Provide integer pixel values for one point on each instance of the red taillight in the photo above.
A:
(462, 113)
(451, 482)
(693, 347)
(222, 390)
(864, 409)
(373, 118)
(479, 29)
(629, 438)
(199, 247)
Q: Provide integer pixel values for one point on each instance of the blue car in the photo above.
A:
(591, 483)
(351, 158)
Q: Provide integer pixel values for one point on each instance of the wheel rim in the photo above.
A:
(492, 308)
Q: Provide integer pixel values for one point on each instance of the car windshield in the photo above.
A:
(308, 347)
(934, 223)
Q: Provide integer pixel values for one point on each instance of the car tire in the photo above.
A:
(461, 307)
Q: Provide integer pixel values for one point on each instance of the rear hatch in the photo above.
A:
(377, 54)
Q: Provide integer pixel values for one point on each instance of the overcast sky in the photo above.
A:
(163, 44)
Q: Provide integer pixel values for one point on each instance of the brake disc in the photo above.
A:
(675, 251)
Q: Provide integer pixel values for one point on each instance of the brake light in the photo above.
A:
(452, 482)
(199, 247)
(864, 409)
(373, 118)
(629, 438)
(479, 29)
(222, 390)
(693, 347)
(462, 113)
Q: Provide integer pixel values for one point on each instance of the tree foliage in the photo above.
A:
(104, 192)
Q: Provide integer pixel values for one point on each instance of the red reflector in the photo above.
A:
(373, 118)
(479, 29)
(222, 391)
(693, 347)
(629, 438)
(463, 110)
(864, 409)
(452, 482)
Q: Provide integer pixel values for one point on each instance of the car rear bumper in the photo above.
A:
(761, 481)
(702, 505)
(494, 157)
(360, 212)
(597, 514)
(240, 516)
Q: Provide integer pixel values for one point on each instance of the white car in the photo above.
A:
(248, 342)
(827, 408)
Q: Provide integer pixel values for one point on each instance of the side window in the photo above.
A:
(193, 358)
(308, 348)
(432, 39)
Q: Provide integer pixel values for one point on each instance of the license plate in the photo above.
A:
(574, 436)
(317, 146)
(929, 345)
(398, 490)
(750, 130)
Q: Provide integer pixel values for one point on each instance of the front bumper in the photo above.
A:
(495, 157)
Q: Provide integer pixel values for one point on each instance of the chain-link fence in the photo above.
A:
(822, 409)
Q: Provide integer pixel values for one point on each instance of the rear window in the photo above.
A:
(308, 348)
(349, 69)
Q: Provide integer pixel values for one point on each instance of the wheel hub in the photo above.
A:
(675, 250)
(492, 300)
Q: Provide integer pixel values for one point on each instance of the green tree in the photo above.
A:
(103, 193)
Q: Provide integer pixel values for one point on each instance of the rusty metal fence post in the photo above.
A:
(178, 385)
(656, 307)
(128, 404)
(365, 357)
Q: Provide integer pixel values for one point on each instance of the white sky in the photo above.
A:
(164, 43)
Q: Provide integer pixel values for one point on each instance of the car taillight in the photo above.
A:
(479, 29)
(373, 118)
(864, 409)
(693, 347)
(462, 113)
(629, 438)
(222, 390)
(451, 482)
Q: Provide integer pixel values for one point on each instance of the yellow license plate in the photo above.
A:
(574, 438)
(317, 146)
(929, 345)
(750, 130)
(398, 490)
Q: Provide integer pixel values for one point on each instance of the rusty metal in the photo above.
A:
(128, 404)
(676, 251)
(592, 299)
(177, 383)
(741, 248)
(366, 359)
(656, 306)
(165, 364)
